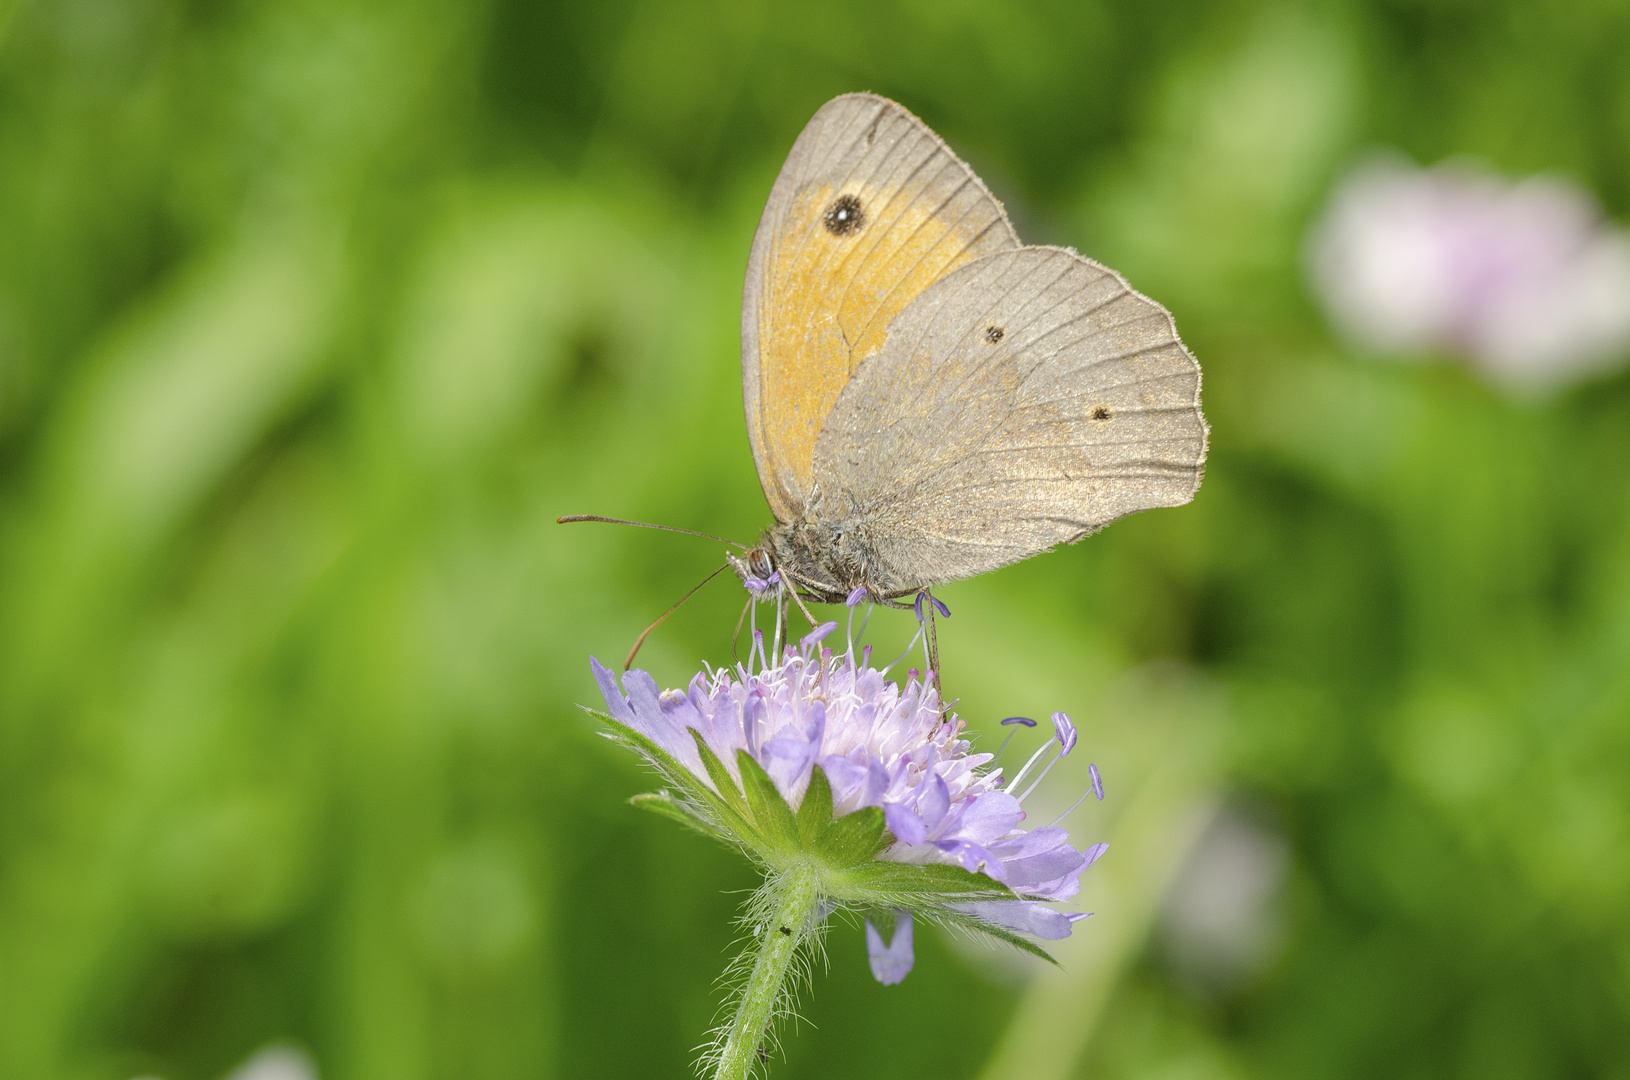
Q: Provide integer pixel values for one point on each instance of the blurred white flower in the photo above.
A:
(1221, 918)
(1526, 280)
(279, 1061)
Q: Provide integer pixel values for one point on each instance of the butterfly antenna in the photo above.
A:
(647, 632)
(569, 518)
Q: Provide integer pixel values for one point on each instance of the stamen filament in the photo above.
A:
(909, 647)
(1039, 779)
(1011, 784)
(1071, 810)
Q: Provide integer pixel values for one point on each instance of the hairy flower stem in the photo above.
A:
(790, 910)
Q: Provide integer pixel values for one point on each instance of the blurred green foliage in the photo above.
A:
(314, 316)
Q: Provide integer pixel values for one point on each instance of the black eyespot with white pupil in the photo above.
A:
(994, 334)
(844, 217)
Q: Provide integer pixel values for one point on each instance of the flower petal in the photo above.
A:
(616, 704)
(906, 826)
(816, 636)
(891, 963)
(1020, 915)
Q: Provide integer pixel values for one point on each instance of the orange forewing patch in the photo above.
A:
(830, 299)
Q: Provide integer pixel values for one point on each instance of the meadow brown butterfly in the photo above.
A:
(927, 398)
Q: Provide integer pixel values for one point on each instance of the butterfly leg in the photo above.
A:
(931, 635)
(800, 602)
(934, 654)
(736, 637)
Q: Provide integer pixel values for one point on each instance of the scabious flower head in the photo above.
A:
(822, 760)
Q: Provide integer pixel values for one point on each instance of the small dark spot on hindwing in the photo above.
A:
(844, 217)
(1100, 412)
(994, 334)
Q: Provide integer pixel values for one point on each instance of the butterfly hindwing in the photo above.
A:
(870, 209)
(1022, 401)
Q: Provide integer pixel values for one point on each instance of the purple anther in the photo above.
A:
(945, 612)
(755, 585)
(1025, 720)
(1077, 916)
(1065, 732)
(918, 605)
(856, 595)
(815, 636)
(1097, 781)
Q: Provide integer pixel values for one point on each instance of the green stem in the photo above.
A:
(792, 907)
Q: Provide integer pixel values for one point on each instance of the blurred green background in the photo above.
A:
(315, 315)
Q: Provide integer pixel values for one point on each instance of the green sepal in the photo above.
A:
(852, 839)
(904, 884)
(946, 917)
(770, 810)
(815, 812)
(728, 825)
(729, 790)
(660, 802)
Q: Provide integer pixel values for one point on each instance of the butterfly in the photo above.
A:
(927, 398)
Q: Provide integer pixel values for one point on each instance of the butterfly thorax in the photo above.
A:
(826, 560)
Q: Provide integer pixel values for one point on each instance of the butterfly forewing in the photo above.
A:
(1020, 402)
(870, 209)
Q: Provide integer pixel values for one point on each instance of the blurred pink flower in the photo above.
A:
(1526, 280)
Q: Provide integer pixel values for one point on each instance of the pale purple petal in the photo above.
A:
(1094, 853)
(989, 816)
(1044, 868)
(934, 804)
(616, 703)
(1022, 916)
(817, 635)
(1035, 842)
(906, 826)
(974, 859)
(891, 963)
(846, 779)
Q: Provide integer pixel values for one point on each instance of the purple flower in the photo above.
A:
(1524, 279)
(827, 723)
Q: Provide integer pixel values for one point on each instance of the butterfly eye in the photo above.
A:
(1100, 412)
(844, 217)
(994, 334)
